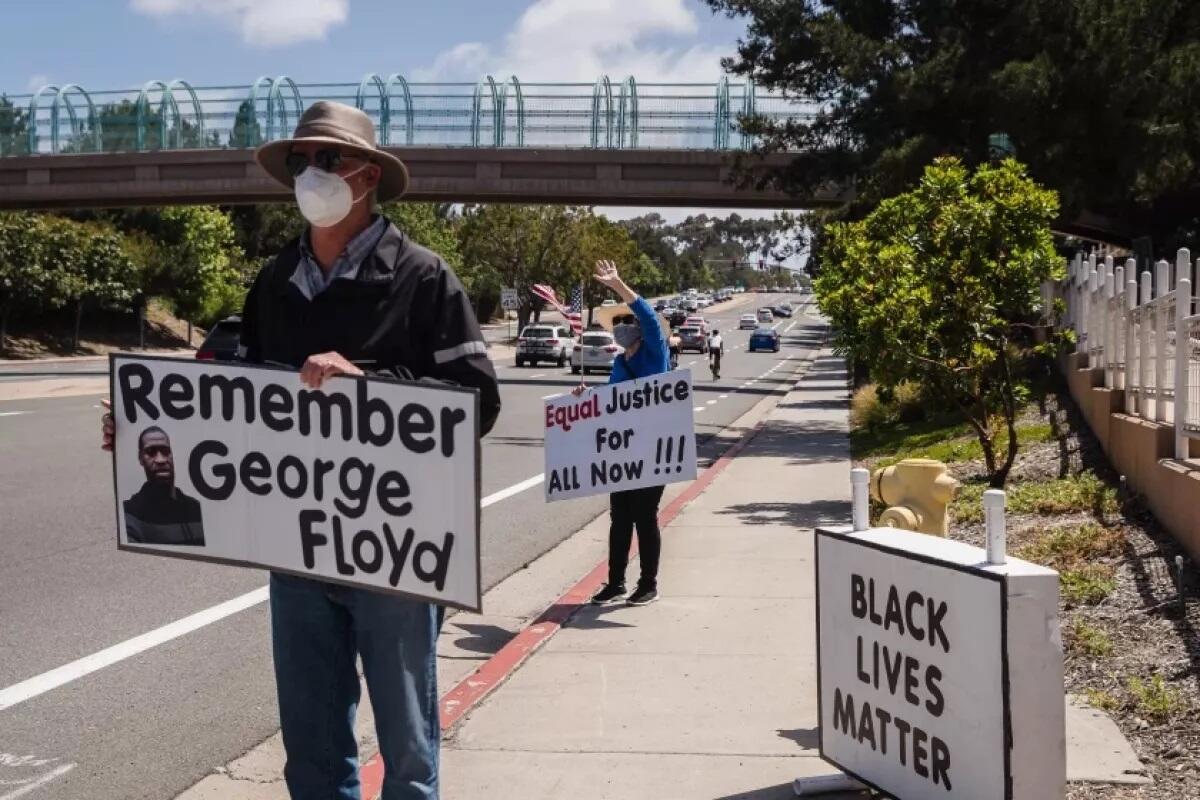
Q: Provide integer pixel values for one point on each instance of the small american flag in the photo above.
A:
(572, 315)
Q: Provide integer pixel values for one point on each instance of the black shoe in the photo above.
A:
(608, 594)
(643, 597)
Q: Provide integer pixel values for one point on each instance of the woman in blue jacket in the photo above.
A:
(645, 355)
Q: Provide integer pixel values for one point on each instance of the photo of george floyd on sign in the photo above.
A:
(939, 675)
(365, 482)
(620, 436)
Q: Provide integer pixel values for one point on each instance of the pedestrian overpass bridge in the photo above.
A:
(607, 143)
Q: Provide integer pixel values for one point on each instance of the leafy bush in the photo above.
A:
(1155, 700)
(1087, 585)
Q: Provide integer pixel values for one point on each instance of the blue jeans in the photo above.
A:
(317, 628)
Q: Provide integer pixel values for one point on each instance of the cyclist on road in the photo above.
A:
(673, 346)
(716, 347)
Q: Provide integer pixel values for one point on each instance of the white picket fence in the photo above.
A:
(1142, 330)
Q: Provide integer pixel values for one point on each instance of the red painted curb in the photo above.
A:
(479, 684)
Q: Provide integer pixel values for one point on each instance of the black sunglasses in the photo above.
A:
(330, 160)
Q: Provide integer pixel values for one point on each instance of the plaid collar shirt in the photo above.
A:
(311, 280)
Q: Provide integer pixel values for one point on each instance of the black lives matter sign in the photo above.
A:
(366, 482)
(912, 668)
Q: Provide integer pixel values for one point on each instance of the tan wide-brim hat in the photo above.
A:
(345, 127)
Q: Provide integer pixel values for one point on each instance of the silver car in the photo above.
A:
(544, 343)
(595, 350)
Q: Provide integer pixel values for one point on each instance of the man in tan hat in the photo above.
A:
(354, 294)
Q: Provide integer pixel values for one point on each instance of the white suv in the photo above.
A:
(545, 343)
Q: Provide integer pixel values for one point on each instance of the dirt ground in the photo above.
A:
(1153, 630)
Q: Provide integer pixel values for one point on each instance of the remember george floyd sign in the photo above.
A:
(367, 482)
(621, 436)
(939, 675)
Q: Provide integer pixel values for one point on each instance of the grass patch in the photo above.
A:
(1065, 548)
(1087, 585)
(1098, 698)
(1156, 701)
(1088, 640)
(968, 448)
(1077, 493)
(903, 438)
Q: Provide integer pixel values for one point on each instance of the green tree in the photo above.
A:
(428, 226)
(246, 131)
(197, 244)
(25, 281)
(1095, 95)
(941, 286)
(87, 263)
(14, 131)
(518, 246)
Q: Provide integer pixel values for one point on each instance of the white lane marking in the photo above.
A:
(13, 414)
(40, 684)
(697, 408)
(57, 772)
(60, 676)
(722, 397)
(538, 375)
(516, 488)
(693, 361)
(556, 394)
(710, 402)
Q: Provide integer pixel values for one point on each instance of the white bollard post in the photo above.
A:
(993, 515)
(860, 499)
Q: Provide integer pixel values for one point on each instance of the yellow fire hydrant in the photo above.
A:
(916, 492)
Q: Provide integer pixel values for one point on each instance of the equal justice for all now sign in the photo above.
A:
(621, 436)
(366, 482)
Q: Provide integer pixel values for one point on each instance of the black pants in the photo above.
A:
(635, 508)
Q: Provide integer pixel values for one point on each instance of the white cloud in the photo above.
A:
(578, 40)
(266, 23)
(36, 82)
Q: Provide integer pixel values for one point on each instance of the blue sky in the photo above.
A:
(122, 44)
(108, 44)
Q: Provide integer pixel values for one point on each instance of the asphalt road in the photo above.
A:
(150, 725)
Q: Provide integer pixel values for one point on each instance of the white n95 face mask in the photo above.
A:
(324, 198)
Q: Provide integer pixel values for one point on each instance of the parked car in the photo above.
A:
(764, 339)
(608, 302)
(692, 338)
(698, 322)
(545, 343)
(691, 304)
(766, 315)
(595, 350)
(660, 305)
(747, 321)
(783, 310)
(221, 344)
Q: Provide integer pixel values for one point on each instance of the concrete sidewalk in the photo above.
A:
(711, 692)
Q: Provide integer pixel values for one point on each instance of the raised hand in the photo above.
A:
(607, 274)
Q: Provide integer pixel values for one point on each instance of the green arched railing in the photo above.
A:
(477, 101)
(62, 98)
(627, 114)
(601, 114)
(519, 98)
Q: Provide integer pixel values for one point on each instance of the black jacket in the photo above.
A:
(404, 315)
(156, 515)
